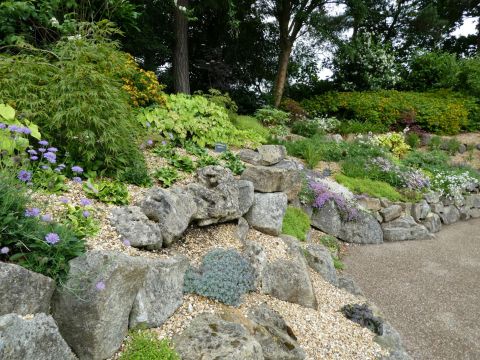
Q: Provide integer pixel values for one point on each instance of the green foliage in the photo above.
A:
(469, 76)
(331, 243)
(198, 119)
(443, 111)
(432, 70)
(294, 109)
(164, 150)
(194, 149)
(451, 146)
(207, 160)
(49, 180)
(305, 128)
(74, 93)
(143, 345)
(359, 127)
(183, 163)
(269, 116)
(338, 264)
(296, 223)
(233, 162)
(431, 160)
(435, 142)
(413, 140)
(25, 236)
(223, 100)
(249, 123)
(393, 142)
(81, 220)
(167, 175)
(109, 192)
(136, 173)
(224, 275)
(363, 315)
(369, 187)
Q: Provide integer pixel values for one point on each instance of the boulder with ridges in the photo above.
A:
(404, 228)
(267, 212)
(320, 259)
(24, 292)
(271, 154)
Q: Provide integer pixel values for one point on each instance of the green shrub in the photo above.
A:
(136, 173)
(74, 94)
(143, 345)
(207, 160)
(23, 235)
(193, 149)
(413, 140)
(442, 111)
(183, 163)
(358, 127)
(249, 123)
(451, 146)
(224, 275)
(469, 76)
(270, 116)
(305, 128)
(223, 100)
(109, 192)
(167, 175)
(81, 220)
(296, 223)
(369, 187)
(233, 162)
(197, 119)
(431, 160)
(433, 70)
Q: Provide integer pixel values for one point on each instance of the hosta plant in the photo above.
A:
(109, 192)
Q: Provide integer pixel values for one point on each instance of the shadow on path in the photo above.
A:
(429, 290)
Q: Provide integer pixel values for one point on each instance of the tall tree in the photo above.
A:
(181, 73)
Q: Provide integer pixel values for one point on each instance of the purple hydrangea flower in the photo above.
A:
(33, 158)
(24, 175)
(42, 150)
(100, 286)
(4, 250)
(52, 238)
(77, 180)
(32, 212)
(64, 200)
(86, 213)
(77, 169)
(52, 149)
(126, 242)
(85, 202)
(3, 126)
(46, 218)
(43, 142)
(51, 157)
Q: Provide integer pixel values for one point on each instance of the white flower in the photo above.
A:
(54, 21)
(74, 37)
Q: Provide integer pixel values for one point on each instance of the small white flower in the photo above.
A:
(54, 21)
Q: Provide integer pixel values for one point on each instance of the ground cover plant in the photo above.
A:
(143, 345)
(296, 223)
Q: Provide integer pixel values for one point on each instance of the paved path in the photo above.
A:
(429, 290)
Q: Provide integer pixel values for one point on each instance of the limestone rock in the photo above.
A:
(347, 283)
(449, 214)
(432, 197)
(420, 210)
(161, 294)
(266, 214)
(133, 225)
(319, 259)
(404, 228)
(24, 292)
(372, 204)
(250, 156)
(242, 230)
(391, 213)
(433, 223)
(35, 338)
(257, 257)
(271, 154)
(245, 195)
(93, 308)
(208, 337)
(171, 209)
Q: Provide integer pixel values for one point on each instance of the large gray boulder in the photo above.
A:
(283, 177)
(267, 212)
(161, 294)
(364, 229)
(391, 213)
(133, 225)
(250, 156)
(35, 338)
(92, 309)
(320, 259)
(24, 292)
(449, 214)
(274, 335)
(171, 209)
(271, 154)
(405, 228)
(433, 223)
(420, 210)
(209, 337)
(217, 196)
(288, 280)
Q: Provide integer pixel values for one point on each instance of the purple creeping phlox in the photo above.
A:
(323, 195)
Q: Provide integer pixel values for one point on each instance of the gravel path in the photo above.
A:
(429, 290)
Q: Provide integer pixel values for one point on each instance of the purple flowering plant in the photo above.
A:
(323, 195)
(81, 218)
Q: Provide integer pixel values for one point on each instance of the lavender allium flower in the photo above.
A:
(24, 175)
(126, 242)
(85, 202)
(4, 250)
(33, 158)
(3, 126)
(64, 200)
(52, 149)
(77, 180)
(43, 142)
(100, 286)
(77, 169)
(32, 212)
(52, 238)
(46, 218)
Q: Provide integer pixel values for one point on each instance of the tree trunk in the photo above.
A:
(283, 60)
(181, 81)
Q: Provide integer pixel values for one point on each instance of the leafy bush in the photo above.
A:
(249, 123)
(74, 93)
(369, 187)
(195, 118)
(451, 146)
(413, 140)
(294, 109)
(136, 173)
(207, 160)
(80, 218)
(194, 149)
(167, 175)
(358, 127)
(270, 116)
(393, 142)
(296, 223)
(305, 128)
(363, 315)
(224, 275)
(109, 192)
(432, 70)
(233, 162)
(40, 246)
(443, 111)
(183, 163)
(143, 345)
(469, 76)
(223, 100)
(431, 160)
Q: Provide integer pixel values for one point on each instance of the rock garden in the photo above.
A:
(136, 224)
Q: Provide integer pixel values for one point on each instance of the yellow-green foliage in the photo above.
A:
(393, 142)
(296, 223)
(369, 187)
(198, 119)
(249, 123)
(143, 345)
(443, 111)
